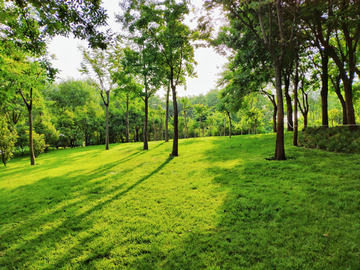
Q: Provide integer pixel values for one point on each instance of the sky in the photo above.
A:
(68, 58)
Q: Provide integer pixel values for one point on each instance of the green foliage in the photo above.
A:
(7, 140)
(337, 139)
(44, 126)
(23, 138)
(39, 144)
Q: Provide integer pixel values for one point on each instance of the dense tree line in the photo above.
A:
(287, 58)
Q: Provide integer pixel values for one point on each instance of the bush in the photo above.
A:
(337, 139)
(39, 144)
(7, 140)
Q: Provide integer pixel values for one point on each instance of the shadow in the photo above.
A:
(294, 214)
(60, 213)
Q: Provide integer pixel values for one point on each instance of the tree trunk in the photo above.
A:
(127, 119)
(107, 120)
(324, 89)
(228, 113)
(203, 131)
(145, 131)
(175, 150)
(349, 104)
(336, 85)
(167, 115)
(279, 149)
(31, 143)
(305, 119)
(290, 123)
(296, 120)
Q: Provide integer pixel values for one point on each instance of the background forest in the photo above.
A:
(291, 65)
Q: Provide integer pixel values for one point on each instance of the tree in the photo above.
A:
(31, 78)
(341, 17)
(99, 63)
(162, 24)
(273, 25)
(28, 24)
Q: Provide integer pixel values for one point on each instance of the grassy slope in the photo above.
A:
(220, 205)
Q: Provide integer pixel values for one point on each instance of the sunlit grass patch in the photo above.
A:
(219, 205)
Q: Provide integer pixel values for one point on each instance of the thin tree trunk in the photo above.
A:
(336, 85)
(167, 115)
(290, 123)
(280, 149)
(107, 120)
(349, 104)
(324, 89)
(296, 120)
(29, 106)
(175, 150)
(31, 143)
(145, 131)
(127, 119)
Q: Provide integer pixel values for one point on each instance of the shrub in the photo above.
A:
(337, 139)
(39, 144)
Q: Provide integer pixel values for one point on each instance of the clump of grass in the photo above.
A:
(219, 205)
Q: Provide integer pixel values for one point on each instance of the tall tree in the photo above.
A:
(273, 24)
(99, 63)
(162, 25)
(342, 17)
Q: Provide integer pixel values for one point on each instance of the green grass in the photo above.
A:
(219, 205)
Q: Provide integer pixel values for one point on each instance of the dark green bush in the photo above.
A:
(336, 139)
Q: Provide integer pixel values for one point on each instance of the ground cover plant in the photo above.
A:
(219, 205)
(336, 139)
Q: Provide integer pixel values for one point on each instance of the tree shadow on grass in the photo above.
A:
(274, 216)
(25, 232)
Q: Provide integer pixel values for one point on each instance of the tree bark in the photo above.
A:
(127, 119)
(336, 85)
(167, 115)
(175, 150)
(279, 149)
(289, 112)
(228, 113)
(324, 88)
(349, 104)
(29, 106)
(146, 111)
(296, 120)
(107, 120)
(31, 143)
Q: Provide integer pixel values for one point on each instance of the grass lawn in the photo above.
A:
(219, 205)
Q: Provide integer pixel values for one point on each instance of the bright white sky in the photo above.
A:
(68, 58)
